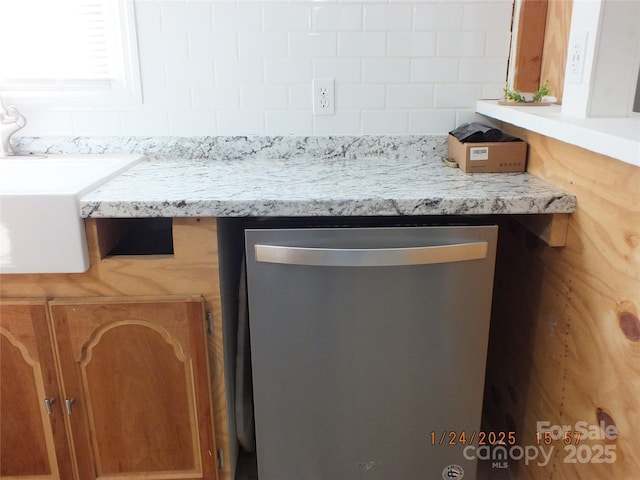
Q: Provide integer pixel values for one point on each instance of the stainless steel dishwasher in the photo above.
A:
(368, 345)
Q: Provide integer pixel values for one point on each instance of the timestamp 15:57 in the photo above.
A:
(568, 438)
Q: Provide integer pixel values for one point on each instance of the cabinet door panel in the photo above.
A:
(138, 375)
(137, 385)
(33, 443)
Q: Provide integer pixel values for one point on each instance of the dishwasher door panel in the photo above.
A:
(355, 366)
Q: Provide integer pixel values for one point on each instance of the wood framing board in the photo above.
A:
(565, 338)
(541, 32)
(556, 44)
(191, 270)
(529, 44)
(550, 228)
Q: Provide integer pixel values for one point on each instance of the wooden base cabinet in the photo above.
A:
(33, 441)
(134, 387)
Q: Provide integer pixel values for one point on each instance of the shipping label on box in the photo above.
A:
(488, 157)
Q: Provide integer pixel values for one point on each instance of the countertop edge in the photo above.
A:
(618, 138)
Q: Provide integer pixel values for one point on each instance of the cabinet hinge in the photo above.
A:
(220, 458)
(209, 322)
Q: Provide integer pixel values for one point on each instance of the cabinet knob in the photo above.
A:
(48, 403)
(67, 403)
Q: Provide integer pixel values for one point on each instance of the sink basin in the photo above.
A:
(41, 230)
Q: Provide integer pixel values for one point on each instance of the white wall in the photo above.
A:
(245, 67)
(611, 54)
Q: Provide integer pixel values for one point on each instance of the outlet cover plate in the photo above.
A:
(576, 57)
(323, 96)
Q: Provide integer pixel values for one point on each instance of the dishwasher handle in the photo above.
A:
(371, 257)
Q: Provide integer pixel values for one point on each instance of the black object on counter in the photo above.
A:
(478, 132)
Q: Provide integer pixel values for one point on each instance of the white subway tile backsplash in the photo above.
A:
(438, 17)
(288, 122)
(189, 72)
(432, 121)
(409, 96)
(240, 123)
(163, 45)
(88, 123)
(288, 18)
(152, 71)
(300, 97)
(342, 123)
(232, 17)
(381, 122)
(386, 71)
(435, 70)
(336, 18)
(54, 123)
(145, 123)
(483, 70)
(360, 97)
(456, 96)
(148, 19)
(288, 71)
(186, 17)
(497, 44)
(362, 44)
(486, 16)
(215, 97)
(387, 17)
(262, 44)
(312, 45)
(343, 71)
(212, 45)
(167, 97)
(239, 72)
(411, 44)
(493, 91)
(241, 67)
(272, 97)
(192, 123)
(460, 44)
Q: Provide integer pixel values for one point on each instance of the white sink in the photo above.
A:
(41, 230)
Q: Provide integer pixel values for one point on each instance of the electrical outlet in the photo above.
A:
(575, 57)
(323, 97)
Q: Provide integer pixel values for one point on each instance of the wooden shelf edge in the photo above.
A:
(551, 228)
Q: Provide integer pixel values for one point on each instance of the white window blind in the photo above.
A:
(68, 47)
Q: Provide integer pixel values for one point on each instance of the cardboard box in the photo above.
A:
(488, 157)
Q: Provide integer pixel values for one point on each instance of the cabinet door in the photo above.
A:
(136, 381)
(33, 442)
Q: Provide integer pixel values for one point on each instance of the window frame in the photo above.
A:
(90, 94)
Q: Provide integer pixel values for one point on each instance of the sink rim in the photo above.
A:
(41, 229)
(64, 174)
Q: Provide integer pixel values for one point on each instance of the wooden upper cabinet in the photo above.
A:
(136, 382)
(33, 443)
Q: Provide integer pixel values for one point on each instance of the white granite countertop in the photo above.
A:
(305, 186)
(297, 176)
